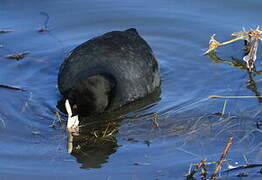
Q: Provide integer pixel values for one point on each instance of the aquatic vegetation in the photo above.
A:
(251, 38)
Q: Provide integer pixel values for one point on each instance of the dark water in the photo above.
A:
(178, 32)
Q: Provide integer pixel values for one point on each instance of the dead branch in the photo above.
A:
(11, 87)
(17, 56)
(196, 168)
(222, 158)
(5, 31)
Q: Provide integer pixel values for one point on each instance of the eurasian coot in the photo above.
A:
(106, 73)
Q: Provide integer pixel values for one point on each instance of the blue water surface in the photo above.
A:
(190, 125)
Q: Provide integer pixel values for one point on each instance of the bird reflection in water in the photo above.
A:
(96, 139)
(94, 143)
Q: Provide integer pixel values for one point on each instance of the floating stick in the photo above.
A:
(252, 38)
(222, 158)
(234, 97)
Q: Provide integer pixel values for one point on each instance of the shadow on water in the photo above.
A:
(96, 140)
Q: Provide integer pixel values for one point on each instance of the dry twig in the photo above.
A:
(11, 87)
(17, 56)
(251, 38)
(5, 31)
(196, 168)
(222, 158)
(154, 121)
(234, 97)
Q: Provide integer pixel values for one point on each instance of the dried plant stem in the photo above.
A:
(17, 56)
(11, 87)
(251, 38)
(154, 121)
(213, 44)
(233, 40)
(222, 158)
(224, 109)
(196, 168)
(203, 172)
(234, 97)
(106, 130)
(59, 117)
(191, 104)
